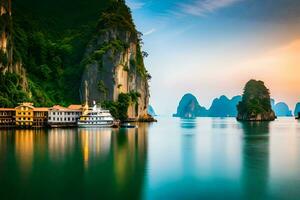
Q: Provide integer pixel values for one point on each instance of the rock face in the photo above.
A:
(224, 107)
(256, 103)
(114, 62)
(281, 109)
(189, 107)
(297, 110)
(72, 42)
(8, 62)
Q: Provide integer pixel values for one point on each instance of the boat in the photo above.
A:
(298, 116)
(95, 117)
(128, 125)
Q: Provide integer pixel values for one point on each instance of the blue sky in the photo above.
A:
(212, 47)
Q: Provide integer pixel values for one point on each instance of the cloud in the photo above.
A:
(135, 5)
(279, 68)
(150, 32)
(204, 7)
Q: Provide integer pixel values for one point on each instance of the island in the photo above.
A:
(256, 103)
(297, 111)
(224, 107)
(281, 109)
(189, 107)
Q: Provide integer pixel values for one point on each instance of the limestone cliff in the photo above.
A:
(8, 62)
(281, 109)
(189, 107)
(256, 103)
(114, 62)
(224, 107)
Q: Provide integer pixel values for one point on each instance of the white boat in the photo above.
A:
(95, 117)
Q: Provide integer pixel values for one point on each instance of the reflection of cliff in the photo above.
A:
(255, 172)
(73, 164)
(130, 156)
(189, 131)
(114, 162)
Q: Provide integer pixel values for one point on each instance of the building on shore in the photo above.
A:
(24, 115)
(27, 116)
(40, 116)
(59, 116)
(7, 117)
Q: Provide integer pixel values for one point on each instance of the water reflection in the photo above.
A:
(60, 143)
(188, 123)
(188, 147)
(130, 155)
(83, 163)
(95, 144)
(197, 159)
(255, 172)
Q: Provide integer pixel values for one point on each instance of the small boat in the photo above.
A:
(128, 125)
(95, 117)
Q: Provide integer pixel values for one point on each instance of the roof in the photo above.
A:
(26, 104)
(70, 108)
(58, 107)
(75, 107)
(7, 109)
(41, 109)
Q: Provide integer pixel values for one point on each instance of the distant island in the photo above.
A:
(256, 103)
(151, 111)
(224, 107)
(281, 109)
(297, 110)
(220, 107)
(189, 107)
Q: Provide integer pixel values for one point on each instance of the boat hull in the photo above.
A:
(95, 125)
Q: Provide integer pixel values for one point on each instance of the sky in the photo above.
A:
(213, 47)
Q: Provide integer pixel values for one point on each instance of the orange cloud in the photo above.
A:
(280, 69)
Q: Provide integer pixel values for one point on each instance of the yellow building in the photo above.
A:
(24, 115)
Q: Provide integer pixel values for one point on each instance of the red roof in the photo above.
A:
(75, 107)
(41, 109)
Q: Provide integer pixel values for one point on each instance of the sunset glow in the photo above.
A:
(211, 48)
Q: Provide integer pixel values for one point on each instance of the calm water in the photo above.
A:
(172, 159)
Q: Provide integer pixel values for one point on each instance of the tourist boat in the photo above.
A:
(95, 117)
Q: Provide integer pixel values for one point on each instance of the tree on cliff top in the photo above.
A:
(256, 99)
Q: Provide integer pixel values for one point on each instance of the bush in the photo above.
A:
(119, 109)
(11, 92)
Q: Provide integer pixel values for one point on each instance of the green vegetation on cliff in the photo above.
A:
(51, 39)
(10, 91)
(256, 102)
(119, 109)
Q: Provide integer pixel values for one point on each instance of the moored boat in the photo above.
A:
(95, 117)
(128, 125)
